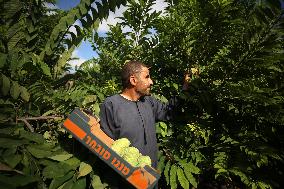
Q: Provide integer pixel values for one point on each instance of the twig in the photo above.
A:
(4, 167)
(28, 125)
(25, 120)
(168, 155)
(39, 118)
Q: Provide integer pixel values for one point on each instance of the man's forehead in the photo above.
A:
(143, 69)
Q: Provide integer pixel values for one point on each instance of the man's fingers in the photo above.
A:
(194, 71)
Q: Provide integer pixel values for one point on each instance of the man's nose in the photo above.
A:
(151, 82)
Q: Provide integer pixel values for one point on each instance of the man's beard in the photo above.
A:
(146, 92)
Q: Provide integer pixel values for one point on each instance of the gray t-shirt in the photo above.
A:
(135, 120)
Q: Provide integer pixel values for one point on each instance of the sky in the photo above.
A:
(84, 51)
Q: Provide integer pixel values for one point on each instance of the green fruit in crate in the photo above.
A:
(144, 160)
(120, 145)
(131, 160)
(131, 151)
(130, 154)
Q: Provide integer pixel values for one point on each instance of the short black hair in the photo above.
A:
(130, 68)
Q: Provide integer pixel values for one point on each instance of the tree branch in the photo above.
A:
(25, 120)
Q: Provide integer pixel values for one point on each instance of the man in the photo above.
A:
(133, 113)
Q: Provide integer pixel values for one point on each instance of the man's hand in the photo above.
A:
(187, 77)
(186, 81)
(194, 71)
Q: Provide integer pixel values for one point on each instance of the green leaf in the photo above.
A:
(45, 69)
(66, 55)
(49, 112)
(173, 176)
(78, 30)
(84, 23)
(96, 108)
(97, 183)
(72, 162)
(84, 169)
(3, 59)
(61, 157)
(14, 61)
(163, 126)
(80, 184)
(5, 85)
(112, 5)
(166, 172)
(175, 86)
(191, 179)
(7, 130)
(67, 185)
(35, 137)
(101, 96)
(17, 180)
(12, 160)
(56, 182)
(275, 68)
(263, 185)
(25, 95)
(55, 170)
(89, 99)
(190, 167)
(11, 143)
(15, 90)
(46, 162)
(39, 153)
(182, 179)
(161, 163)
(96, 24)
(82, 8)
(254, 186)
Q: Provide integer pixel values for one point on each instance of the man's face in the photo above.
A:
(144, 82)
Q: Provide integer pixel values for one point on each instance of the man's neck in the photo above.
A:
(130, 94)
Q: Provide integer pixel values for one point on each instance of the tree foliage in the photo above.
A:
(234, 110)
(230, 132)
(35, 47)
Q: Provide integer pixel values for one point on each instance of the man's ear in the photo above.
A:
(133, 80)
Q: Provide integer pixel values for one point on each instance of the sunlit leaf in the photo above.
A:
(61, 157)
(166, 172)
(84, 169)
(173, 176)
(97, 183)
(182, 179)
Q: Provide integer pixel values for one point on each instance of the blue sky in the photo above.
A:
(84, 51)
(67, 4)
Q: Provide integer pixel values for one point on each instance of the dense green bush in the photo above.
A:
(231, 131)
